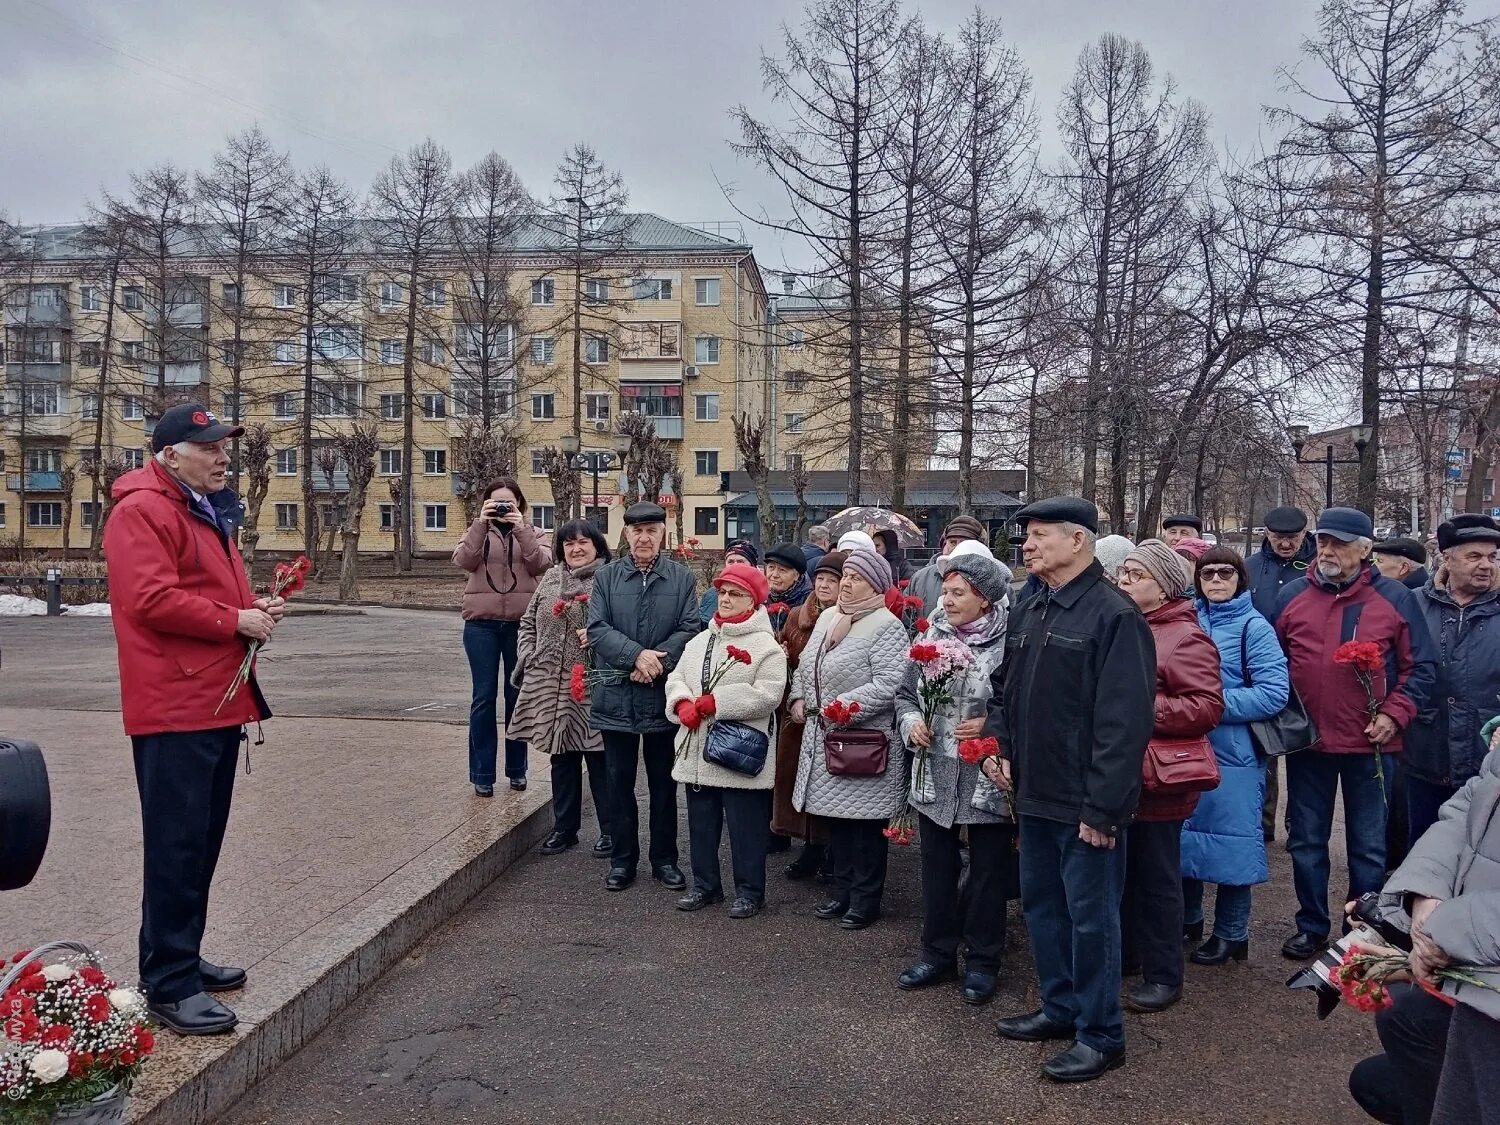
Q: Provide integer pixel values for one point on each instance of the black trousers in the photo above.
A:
(975, 912)
(856, 859)
(567, 791)
(1400, 1086)
(1151, 912)
(747, 812)
(621, 752)
(186, 782)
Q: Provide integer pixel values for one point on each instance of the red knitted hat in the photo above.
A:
(747, 578)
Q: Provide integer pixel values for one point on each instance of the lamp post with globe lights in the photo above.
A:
(1298, 436)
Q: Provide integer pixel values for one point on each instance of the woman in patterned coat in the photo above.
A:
(855, 658)
(547, 716)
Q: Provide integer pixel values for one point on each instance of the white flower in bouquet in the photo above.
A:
(126, 1000)
(56, 973)
(49, 1065)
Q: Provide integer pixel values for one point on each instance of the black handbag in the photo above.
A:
(735, 746)
(1289, 730)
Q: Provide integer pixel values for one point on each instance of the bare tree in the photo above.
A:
(330, 462)
(255, 469)
(750, 442)
(67, 481)
(479, 456)
(567, 486)
(356, 449)
(105, 237)
(799, 482)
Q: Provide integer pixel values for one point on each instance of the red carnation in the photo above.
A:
(56, 1035)
(924, 652)
(33, 981)
(128, 1058)
(893, 600)
(576, 683)
(836, 712)
(79, 1064)
(559, 608)
(17, 958)
(923, 624)
(912, 603)
(1363, 655)
(145, 1042)
(903, 583)
(24, 1029)
(777, 607)
(853, 708)
(581, 598)
(17, 1003)
(91, 974)
(738, 654)
(96, 1007)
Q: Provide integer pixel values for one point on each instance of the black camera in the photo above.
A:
(502, 508)
(1377, 918)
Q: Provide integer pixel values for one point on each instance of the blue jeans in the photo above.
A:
(491, 647)
(1313, 777)
(1071, 894)
(1231, 909)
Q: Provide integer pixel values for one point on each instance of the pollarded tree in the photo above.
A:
(750, 442)
(255, 470)
(356, 449)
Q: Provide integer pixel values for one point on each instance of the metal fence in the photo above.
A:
(53, 580)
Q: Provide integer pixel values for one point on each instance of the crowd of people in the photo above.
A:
(1099, 743)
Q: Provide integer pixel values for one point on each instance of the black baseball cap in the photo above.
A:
(190, 421)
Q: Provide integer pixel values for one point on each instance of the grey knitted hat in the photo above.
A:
(871, 567)
(988, 575)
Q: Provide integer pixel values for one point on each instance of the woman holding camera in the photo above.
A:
(504, 556)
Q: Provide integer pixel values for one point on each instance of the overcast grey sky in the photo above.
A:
(90, 89)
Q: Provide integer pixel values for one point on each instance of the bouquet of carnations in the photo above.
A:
(903, 829)
(907, 607)
(286, 580)
(704, 704)
(583, 676)
(939, 663)
(71, 1035)
(1367, 661)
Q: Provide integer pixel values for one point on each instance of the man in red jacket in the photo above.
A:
(1342, 599)
(183, 612)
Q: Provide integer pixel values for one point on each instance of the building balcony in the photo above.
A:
(320, 481)
(32, 371)
(38, 425)
(186, 373)
(189, 314)
(668, 429)
(34, 482)
(53, 314)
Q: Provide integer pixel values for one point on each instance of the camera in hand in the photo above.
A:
(1376, 919)
(502, 509)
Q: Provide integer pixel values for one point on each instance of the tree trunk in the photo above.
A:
(1369, 382)
(404, 543)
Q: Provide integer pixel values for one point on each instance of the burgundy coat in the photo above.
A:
(1189, 693)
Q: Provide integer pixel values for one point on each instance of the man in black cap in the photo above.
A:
(642, 614)
(1402, 560)
(1072, 709)
(1182, 526)
(183, 613)
(1462, 608)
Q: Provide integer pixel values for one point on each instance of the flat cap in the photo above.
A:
(645, 511)
(831, 563)
(1183, 519)
(1406, 548)
(1061, 509)
(1467, 528)
(788, 556)
(1346, 524)
(1286, 520)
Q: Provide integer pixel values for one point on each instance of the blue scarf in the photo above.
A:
(801, 590)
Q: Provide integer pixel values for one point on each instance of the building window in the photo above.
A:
(42, 400)
(336, 400)
(435, 293)
(285, 404)
(706, 462)
(543, 348)
(284, 351)
(132, 299)
(596, 291)
(336, 287)
(705, 521)
(468, 398)
(434, 406)
(90, 353)
(706, 408)
(706, 290)
(392, 294)
(542, 291)
(390, 462)
(45, 514)
(133, 351)
(335, 344)
(795, 422)
(794, 339)
(433, 352)
(133, 458)
(332, 515)
(234, 406)
(597, 405)
(796, 380)
(286, 462)
(652, 289)
(284, 296)
(435, 462)
(90, 299)
(435, 517)
(387, 517)
(392, 408)
(133, 408)
(538, 463)
(2, 515)
(392, 352)
(793, 462)
(650, 340)
(89, 405)
(88, 513)
(705, 349)
(232, 353)
(543, 517)
(595, 349)
(229, 295)
(543, 407)
(286, 517)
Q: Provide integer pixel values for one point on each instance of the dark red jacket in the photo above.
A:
(1189, 693)
(176, 586)
(1313, 618)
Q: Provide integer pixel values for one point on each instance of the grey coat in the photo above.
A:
(1457, 861)
(927, 584)
(631, 611)
(866, 668)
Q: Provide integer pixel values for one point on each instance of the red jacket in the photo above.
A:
(1314, 618)
(176, 586)
(1189, 693)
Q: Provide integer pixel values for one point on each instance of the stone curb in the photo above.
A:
(297, 992)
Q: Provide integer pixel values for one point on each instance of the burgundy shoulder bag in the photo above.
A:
(848, 752)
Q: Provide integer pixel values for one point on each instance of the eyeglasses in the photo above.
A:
(1218, 573)
(1133, 575)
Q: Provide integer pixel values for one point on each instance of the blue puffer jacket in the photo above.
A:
(1443, 745)
(1222, 841)
(1270, 574)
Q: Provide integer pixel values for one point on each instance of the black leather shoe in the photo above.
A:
(604, 848)
(697, 900)
(1192, 932)
(1147, 997)
(1081, 1063)
(1303, 947)
(858, 920)
(484, 790)
(220, 978)
(744, 908)
(669, 876)
(518, 784)
(979, 988)
(779, 843)
(924, 973)
(1034, 1027)
(557, 843)
(832, 908)
(199, 1014)
(619, 878)
(806, 865)
(1216, 951)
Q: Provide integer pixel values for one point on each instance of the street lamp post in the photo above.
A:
(591, 461)
(1298, 436)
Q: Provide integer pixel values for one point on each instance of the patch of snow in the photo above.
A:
(93, 609)
(15, 605)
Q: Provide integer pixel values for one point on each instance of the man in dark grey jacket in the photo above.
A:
(643, 612)
(1072, 708)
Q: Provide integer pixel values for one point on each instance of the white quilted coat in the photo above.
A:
(866, 667)
(748, 693)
